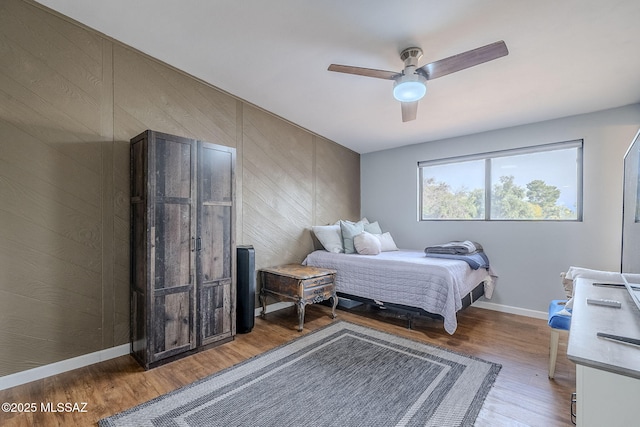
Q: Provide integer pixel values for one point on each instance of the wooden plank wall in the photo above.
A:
(70, 100)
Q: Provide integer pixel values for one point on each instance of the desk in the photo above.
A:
(607, 372)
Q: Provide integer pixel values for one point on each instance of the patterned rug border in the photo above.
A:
(339, 325)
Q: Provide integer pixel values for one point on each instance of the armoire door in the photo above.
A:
(216, 254)
(173, 236)
(182, 246)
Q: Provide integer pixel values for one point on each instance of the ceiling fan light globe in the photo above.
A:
(409, 91)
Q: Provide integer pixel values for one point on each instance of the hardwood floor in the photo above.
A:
(523, 395)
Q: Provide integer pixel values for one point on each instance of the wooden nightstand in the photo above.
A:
(299, 283)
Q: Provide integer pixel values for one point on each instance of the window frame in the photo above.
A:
(487, 157)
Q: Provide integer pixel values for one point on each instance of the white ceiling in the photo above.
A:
(566, 57)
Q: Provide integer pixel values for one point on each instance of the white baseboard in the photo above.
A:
(41, 372)
(274, 307)
(511, 310)
(45, 371)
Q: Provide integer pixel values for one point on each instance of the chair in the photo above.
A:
(559, 322)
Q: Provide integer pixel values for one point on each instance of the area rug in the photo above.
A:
(341, 375)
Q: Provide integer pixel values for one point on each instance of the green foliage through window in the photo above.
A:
(540, 183)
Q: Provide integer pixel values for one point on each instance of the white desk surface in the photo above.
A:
(585, 348)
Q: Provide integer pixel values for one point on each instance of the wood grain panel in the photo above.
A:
(285, 150)
(52, 320)
(35, 352)
(32, 274)
(239, 172)
(16, 231)
(56, 43)
(277, 188)
(285, 187)
(33, 200)
(108, 192)
(121, 179)
(214, 110)
(27, 145)
(64, 78)
(337, 183)
(121, 230)
(150, 96)
(39, 121)
(53, 173)
(70, 100)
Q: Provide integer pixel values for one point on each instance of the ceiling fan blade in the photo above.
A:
(367, 72)
(409, 111)
(465, 60)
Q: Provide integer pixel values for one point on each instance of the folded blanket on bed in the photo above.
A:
(455, 248)
(475, 260)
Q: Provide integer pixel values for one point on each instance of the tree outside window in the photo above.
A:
(540, 183)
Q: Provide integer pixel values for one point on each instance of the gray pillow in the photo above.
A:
(349, 231)
(373, 228)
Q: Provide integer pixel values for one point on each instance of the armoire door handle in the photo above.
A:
(198, 244)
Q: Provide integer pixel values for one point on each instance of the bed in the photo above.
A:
(407, 280)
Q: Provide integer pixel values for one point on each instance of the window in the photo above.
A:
(532, 184)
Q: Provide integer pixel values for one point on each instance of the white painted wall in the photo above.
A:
(527, 256)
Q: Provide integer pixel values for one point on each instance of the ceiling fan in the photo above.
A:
(410, 84)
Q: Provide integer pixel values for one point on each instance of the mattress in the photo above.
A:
(406, 277)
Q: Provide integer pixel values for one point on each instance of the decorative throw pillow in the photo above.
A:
(386, 242)
(349, 231)
(330, 237)
(373, 228)
(366, 244)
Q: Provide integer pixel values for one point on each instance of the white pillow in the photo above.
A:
(330, 236)
(386, 242)
(366, 244)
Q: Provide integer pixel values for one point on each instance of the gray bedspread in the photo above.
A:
(406, 277)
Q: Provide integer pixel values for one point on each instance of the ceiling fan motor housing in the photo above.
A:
(410, 56)
(411, 85)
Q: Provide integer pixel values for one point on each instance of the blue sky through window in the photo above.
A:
(556, 167)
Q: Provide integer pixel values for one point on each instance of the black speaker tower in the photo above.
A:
(246, 290)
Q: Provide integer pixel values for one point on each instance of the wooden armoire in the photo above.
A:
(182, 246)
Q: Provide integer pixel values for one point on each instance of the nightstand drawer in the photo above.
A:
(318, 281)
(323, 291)
(280, 284)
